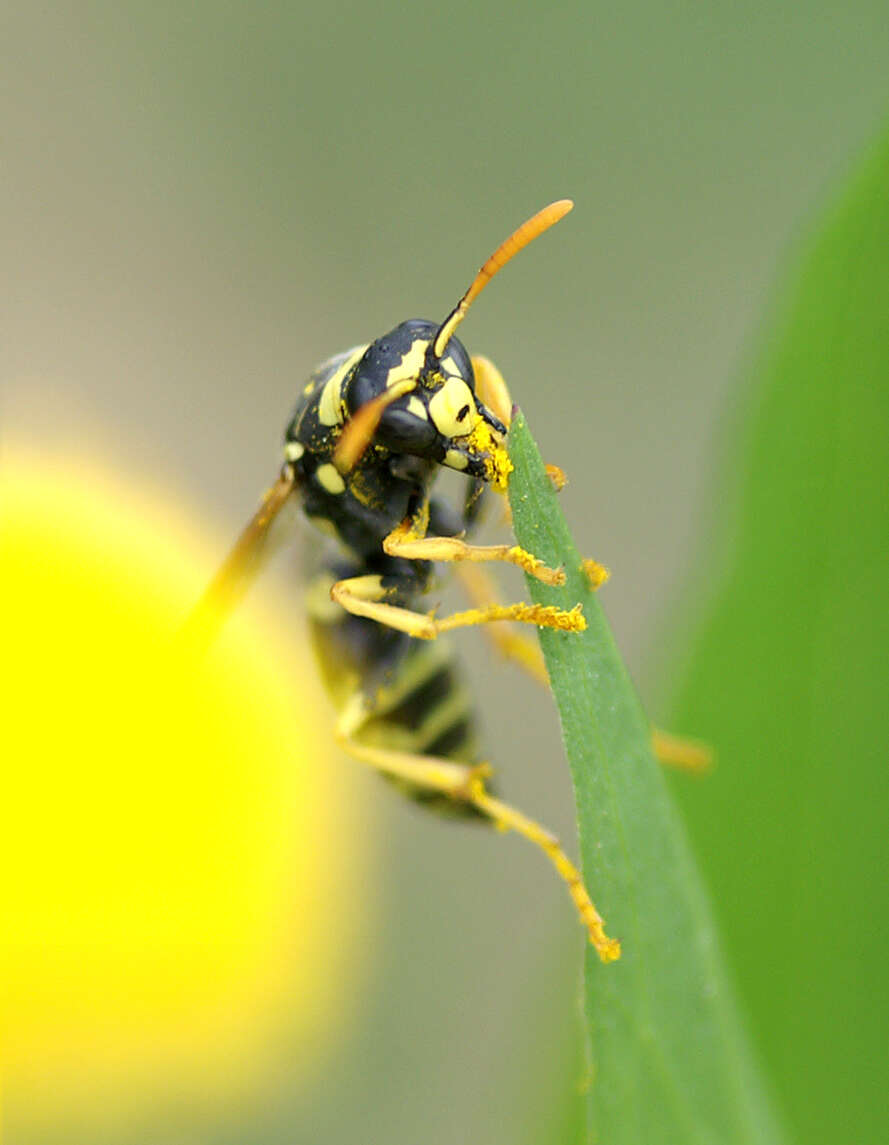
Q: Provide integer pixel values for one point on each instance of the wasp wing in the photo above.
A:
(230, 584)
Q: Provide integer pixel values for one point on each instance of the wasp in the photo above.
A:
(371, 431)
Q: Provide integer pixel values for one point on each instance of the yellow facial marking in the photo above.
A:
(453, 410)
(330, 407)
(293, 450)
(329, 479)
(449, 365)
(416, 407)
(454, 459)
(410, 365)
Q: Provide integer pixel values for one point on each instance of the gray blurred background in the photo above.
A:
(199, 202)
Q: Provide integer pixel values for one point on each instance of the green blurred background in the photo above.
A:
(199, 202)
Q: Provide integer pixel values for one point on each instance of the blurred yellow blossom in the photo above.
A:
(179, 896)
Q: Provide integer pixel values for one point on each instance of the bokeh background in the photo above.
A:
(199, 202)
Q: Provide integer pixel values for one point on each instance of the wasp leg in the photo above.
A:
(523, 650)
(494, 393)
(365, 596)
(481, 589)
(595, 573)
(405, 542)
(557, 477)
(466, 784)
(670, 750)
(492, 388)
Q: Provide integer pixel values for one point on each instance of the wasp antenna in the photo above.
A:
(231, 582)
(362, 425)
(527, 232)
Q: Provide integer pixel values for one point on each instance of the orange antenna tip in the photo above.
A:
(508, 249)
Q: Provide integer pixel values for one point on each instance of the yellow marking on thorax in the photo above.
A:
(410, 365)
(330, 411)
(329, 478)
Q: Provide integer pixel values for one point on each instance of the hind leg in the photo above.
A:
(466, 784)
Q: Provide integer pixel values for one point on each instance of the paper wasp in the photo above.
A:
(370, 432)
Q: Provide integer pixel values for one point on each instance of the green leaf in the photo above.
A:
(670, 1061)
(790, 679)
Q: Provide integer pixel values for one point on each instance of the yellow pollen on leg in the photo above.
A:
(557, 476)
(535, 566)
(543, 615)
(595, 573)
(498, 467)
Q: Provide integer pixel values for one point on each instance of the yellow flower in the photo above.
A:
(178, 848)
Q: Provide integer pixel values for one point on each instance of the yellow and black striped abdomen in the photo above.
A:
(416, 700)
(425, 708)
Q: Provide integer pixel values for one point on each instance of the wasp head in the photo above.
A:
(439, 416)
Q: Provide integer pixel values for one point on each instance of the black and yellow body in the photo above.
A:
(372, 429)
(393, 477)
(412, 692)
